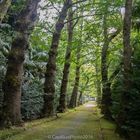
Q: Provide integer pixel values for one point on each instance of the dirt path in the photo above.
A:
(75, 124)
(84, 123)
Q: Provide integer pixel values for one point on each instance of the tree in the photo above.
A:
(49, 85)
(11, 113)
(98, 81)
(62, 101)
(127, 69)
(106, 90)
(73, 99)
(74, 95)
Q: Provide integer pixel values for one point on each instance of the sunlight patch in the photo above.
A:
(90, 105)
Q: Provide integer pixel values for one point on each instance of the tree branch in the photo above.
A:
(78, 2)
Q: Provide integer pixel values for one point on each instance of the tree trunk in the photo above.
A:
(11, 114)
(49, 85)
(127, 70)
(62, 101)
(80, 99)
(106, 100)
(99, 93)
(106, 94)
(4, 5)
(73, 100)
(98, 82)
(106, 91)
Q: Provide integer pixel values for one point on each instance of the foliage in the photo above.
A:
(132, 125)
(91, 41)
(116, 96)
(32, 98)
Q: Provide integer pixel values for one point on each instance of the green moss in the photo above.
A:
(37, 128)
(97, 127)
(14, 80)
(107, 124)
(7, 133)
(81, 122)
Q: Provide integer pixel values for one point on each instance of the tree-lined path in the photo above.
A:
(84, 122)
(57, 55)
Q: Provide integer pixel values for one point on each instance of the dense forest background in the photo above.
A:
(57, 54)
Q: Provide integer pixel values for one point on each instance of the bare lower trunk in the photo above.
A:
(12, 83)
(62, 101)
(122, 117)
(49, 85)
(11, 114)
(106, 101)
(106, 98)
(4, 5)
(73, 100)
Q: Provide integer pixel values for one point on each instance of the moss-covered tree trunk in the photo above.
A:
(49, 85)
(106, 91)
(127, 69)
(62, 101)
(73, 99)
(4, 5)
(11, 113)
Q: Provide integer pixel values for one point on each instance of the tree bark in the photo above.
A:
(80, 99)
(98, 82)
(127, 69)
(99, 93)
(11, 113)
(49, 85)
(106, 91)
(73, 100)
(62, 101)
(4, 5)
(106, 94)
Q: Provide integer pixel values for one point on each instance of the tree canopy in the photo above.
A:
(56, 55)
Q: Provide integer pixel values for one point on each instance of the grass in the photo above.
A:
(92, 127)
(98, 128)
(7, 134)
(37, 129)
